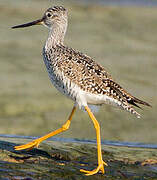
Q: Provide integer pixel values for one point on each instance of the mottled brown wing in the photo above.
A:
(92, 77)
(83, 71)
(116, 88)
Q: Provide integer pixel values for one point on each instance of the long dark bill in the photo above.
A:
(36, 22)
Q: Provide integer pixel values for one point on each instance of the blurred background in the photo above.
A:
(122, 38)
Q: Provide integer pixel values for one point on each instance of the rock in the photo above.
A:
(62, 161)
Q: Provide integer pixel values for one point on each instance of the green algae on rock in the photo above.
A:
(59, 160)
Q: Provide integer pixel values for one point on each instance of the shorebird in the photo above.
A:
(79, 77)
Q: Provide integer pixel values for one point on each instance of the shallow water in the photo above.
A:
(123, 2)
(87, 141)
(121, 39)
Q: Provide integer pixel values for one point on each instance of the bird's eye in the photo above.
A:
(48, 14)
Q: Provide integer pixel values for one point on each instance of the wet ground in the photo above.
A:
(62, 160)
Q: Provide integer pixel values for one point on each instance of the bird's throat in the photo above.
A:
(56, 36)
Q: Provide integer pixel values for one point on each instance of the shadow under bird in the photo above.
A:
(79, 77)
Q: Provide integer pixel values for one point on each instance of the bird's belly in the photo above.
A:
(99, 99)
(61, 82)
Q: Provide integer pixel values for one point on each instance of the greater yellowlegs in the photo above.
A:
(78, 77)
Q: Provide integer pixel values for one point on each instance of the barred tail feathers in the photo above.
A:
(129, 108)
(136, 100)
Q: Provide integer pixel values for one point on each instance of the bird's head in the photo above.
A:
(54, 16)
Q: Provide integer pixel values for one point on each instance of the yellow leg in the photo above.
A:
(101, 163)
(36, 142)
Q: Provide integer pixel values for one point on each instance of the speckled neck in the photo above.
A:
(56, 35)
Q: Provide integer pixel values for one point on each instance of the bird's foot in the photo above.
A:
(99, 168)
(28, 146)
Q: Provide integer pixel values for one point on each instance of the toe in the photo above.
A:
(89, 173)
(99, 168)
(105, 164)
(28, 146)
